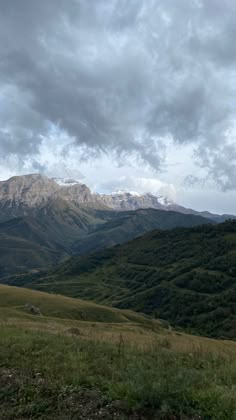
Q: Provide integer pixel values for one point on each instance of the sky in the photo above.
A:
(122, 94)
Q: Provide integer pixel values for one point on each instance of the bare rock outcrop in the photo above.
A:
(33, 310)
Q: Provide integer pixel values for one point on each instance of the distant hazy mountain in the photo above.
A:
(127, 225)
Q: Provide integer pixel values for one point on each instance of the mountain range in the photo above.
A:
(19, 194)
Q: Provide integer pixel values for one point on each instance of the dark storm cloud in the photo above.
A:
(121, 75)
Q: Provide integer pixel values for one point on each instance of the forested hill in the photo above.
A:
(185, 275)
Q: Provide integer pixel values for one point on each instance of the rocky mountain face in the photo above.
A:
(36, 190)
(130, 201)
(126, 201)
(28, 190)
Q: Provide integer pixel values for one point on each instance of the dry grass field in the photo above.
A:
(63, 364)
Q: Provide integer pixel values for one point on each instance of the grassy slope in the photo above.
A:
(53, 367)
(63, 307)
(186, 276)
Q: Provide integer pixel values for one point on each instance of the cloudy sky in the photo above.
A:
(132, 94)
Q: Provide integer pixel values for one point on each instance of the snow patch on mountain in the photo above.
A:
(123, 192)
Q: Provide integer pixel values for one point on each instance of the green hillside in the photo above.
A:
(186, 276)
(47, 234)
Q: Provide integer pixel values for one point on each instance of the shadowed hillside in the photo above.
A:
(41, 238)
(125, 226)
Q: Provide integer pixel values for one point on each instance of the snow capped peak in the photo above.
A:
(65, 182)
(122, 192)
